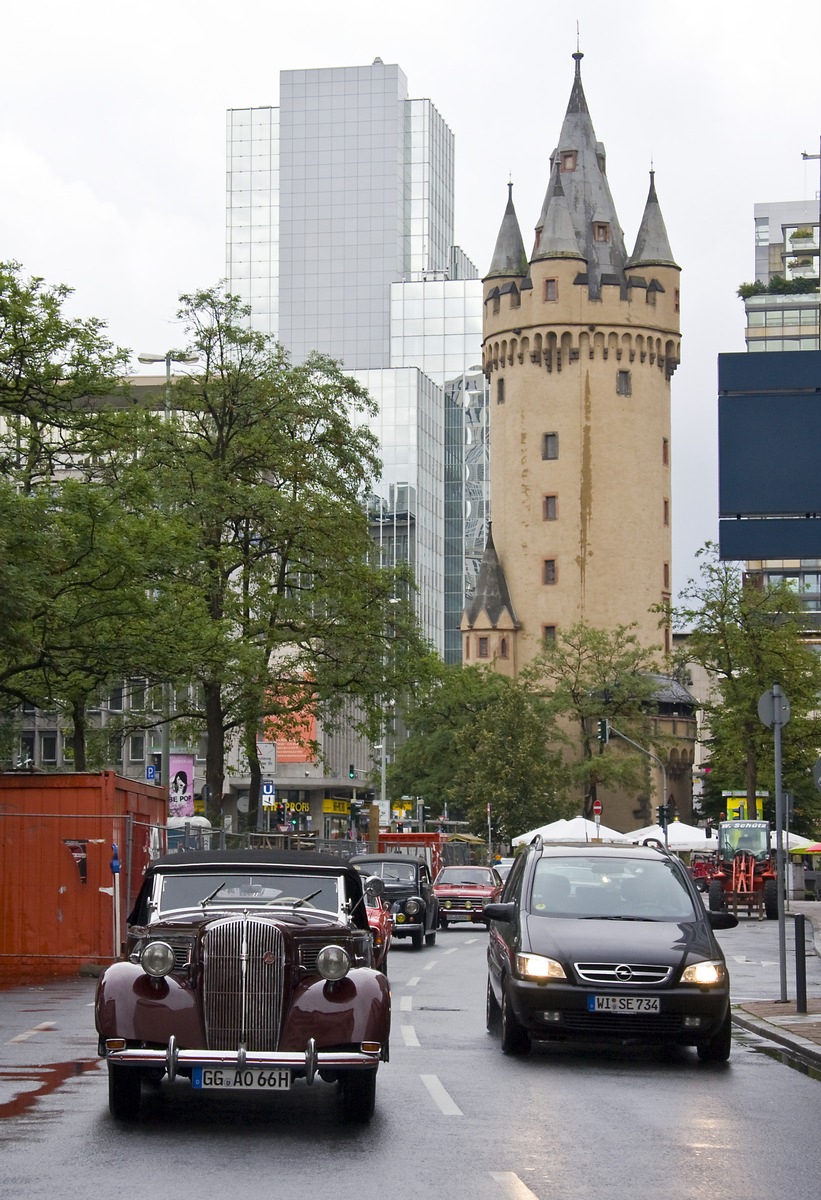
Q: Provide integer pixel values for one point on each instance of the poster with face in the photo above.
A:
(181, 786)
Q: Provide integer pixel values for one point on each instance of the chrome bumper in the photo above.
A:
(305, 1063)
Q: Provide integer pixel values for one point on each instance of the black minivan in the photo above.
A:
(606, 942)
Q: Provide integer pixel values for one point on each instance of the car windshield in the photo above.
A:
(627, 890)
(463, 875)
(246, 888)
(394, 871)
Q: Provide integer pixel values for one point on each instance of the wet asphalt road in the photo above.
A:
(455, 1118)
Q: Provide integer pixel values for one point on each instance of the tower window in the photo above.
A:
(550, 508)
(467, 648)
(676, 300)
(651, 297)
(667, 577)
(666, 512)
(484, 651)
(665, 451)
(568, 160)
(549, 633)
(624, 383)
(551, 289)
(503, 648)
(549, 571)
(550, 445)
(601, 231)
(500, 391)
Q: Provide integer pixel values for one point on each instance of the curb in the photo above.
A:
(799, 1046)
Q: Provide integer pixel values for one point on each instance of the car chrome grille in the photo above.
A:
(243, 972)
(624, 974)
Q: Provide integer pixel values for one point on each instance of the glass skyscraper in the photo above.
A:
(340, 237)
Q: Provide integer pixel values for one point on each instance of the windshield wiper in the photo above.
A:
(212, 894)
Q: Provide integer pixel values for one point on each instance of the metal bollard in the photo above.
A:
(800, 963)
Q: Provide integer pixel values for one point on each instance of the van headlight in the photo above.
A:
(537, 966)
(707, 973)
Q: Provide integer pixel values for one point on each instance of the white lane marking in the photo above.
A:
(413, 981)
(431, 965)
(512, 1185)
(405, 1003)
(24, 1037)
(452, 950)
(470, 941)
(447, 1106)
(409, 1035)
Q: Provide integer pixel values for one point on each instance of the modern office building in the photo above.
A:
(783, 313)
(782, 304)
(339, 235)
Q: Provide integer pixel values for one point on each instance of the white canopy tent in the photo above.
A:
(578, 829)
(680, 836)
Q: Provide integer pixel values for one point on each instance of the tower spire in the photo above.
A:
(509, 257)
(652, 244)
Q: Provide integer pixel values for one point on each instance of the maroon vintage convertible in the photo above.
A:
(246, 970)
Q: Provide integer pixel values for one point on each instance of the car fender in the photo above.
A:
(340, 1013)
(131, 1004)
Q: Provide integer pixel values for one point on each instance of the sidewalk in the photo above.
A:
(780, 1022)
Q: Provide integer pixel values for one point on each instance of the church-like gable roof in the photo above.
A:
(491, 588)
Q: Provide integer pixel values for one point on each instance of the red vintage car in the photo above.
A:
(463, 892)
(379, 919)
(246, 970)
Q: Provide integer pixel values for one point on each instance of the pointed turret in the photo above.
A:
(492, 596)
(652, 245)
(509, 257)
(558, 237)
(579, 163)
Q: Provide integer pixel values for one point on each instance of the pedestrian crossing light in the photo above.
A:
(604, 731)
(661, 812)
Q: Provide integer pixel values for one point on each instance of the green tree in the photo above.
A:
(53, 369)
(748, 637)
(477, 738)
(585, 675)
(509, 767)
(266, 466)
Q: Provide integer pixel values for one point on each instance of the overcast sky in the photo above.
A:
(112, 145)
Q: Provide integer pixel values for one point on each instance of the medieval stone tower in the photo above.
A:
(580, 343)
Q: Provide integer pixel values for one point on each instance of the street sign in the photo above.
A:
(150, 773)
(773, 710)
(597, 808)
(268, 793)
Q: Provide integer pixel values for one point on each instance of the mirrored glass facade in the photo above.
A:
(339, 229)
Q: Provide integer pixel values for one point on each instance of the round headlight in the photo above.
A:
(332, 962)
(412, 907)
(157, 959)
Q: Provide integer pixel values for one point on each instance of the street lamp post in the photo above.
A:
(178, 356)
(805, 157)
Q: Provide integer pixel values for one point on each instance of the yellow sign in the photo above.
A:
(337, 806)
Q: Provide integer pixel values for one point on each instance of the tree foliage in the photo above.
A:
(265, 467)
(748, 637)
(587, 674)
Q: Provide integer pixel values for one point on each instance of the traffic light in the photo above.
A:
(604, 731)
(352, 771)
(661, 812)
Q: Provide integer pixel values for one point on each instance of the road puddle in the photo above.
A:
(30, 1083)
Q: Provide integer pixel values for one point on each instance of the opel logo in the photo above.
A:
(623, 973)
